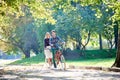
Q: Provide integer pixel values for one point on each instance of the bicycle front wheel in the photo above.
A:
(63, 64)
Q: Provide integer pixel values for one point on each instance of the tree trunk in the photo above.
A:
(84, 45)
(117, 61)
(78, 45)
(27, 55)
(116, 34)
(78, 40)
(25, 52)
(100, 41)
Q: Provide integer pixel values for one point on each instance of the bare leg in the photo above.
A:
(49, 62)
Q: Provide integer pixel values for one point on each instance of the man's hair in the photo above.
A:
(53, 31)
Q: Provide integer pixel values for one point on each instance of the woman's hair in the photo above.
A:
(47, 34)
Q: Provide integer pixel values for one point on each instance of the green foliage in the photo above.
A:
(116, 8)
(74, 20)
(84, 23)
(15, 15)
(112, 4)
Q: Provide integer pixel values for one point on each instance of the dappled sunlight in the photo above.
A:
(39, 72)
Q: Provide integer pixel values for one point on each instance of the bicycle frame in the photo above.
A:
(57, 56)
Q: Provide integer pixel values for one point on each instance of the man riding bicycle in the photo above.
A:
(55, 43)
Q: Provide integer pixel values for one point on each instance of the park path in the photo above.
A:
(7, 61)
(41, 72)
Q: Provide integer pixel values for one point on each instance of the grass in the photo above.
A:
(106, 62)
(93, 58)
(28, 61)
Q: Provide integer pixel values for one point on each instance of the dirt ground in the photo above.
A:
(41, 72)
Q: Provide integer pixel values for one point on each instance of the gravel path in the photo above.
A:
(40, 72)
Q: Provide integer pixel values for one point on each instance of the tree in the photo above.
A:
(114, 5)
(111, 4)
(14, 14)
(83, 22)
(26, 41)
(117, 60)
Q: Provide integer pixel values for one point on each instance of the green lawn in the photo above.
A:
(100, 58)
(105, 62)
(33, 60)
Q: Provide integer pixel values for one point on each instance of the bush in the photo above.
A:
(90, 54)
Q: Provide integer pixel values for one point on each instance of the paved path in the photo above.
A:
(6, 61)
(39, 72)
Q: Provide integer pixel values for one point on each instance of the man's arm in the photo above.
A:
(61, 41)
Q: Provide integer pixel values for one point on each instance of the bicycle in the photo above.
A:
(60, 60)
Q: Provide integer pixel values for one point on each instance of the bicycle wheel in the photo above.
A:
(62, 61)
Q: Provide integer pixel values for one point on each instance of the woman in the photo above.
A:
(47, 47)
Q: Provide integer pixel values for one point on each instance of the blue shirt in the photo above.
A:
(55, 42)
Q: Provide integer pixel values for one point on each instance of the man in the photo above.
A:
(55, 43)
